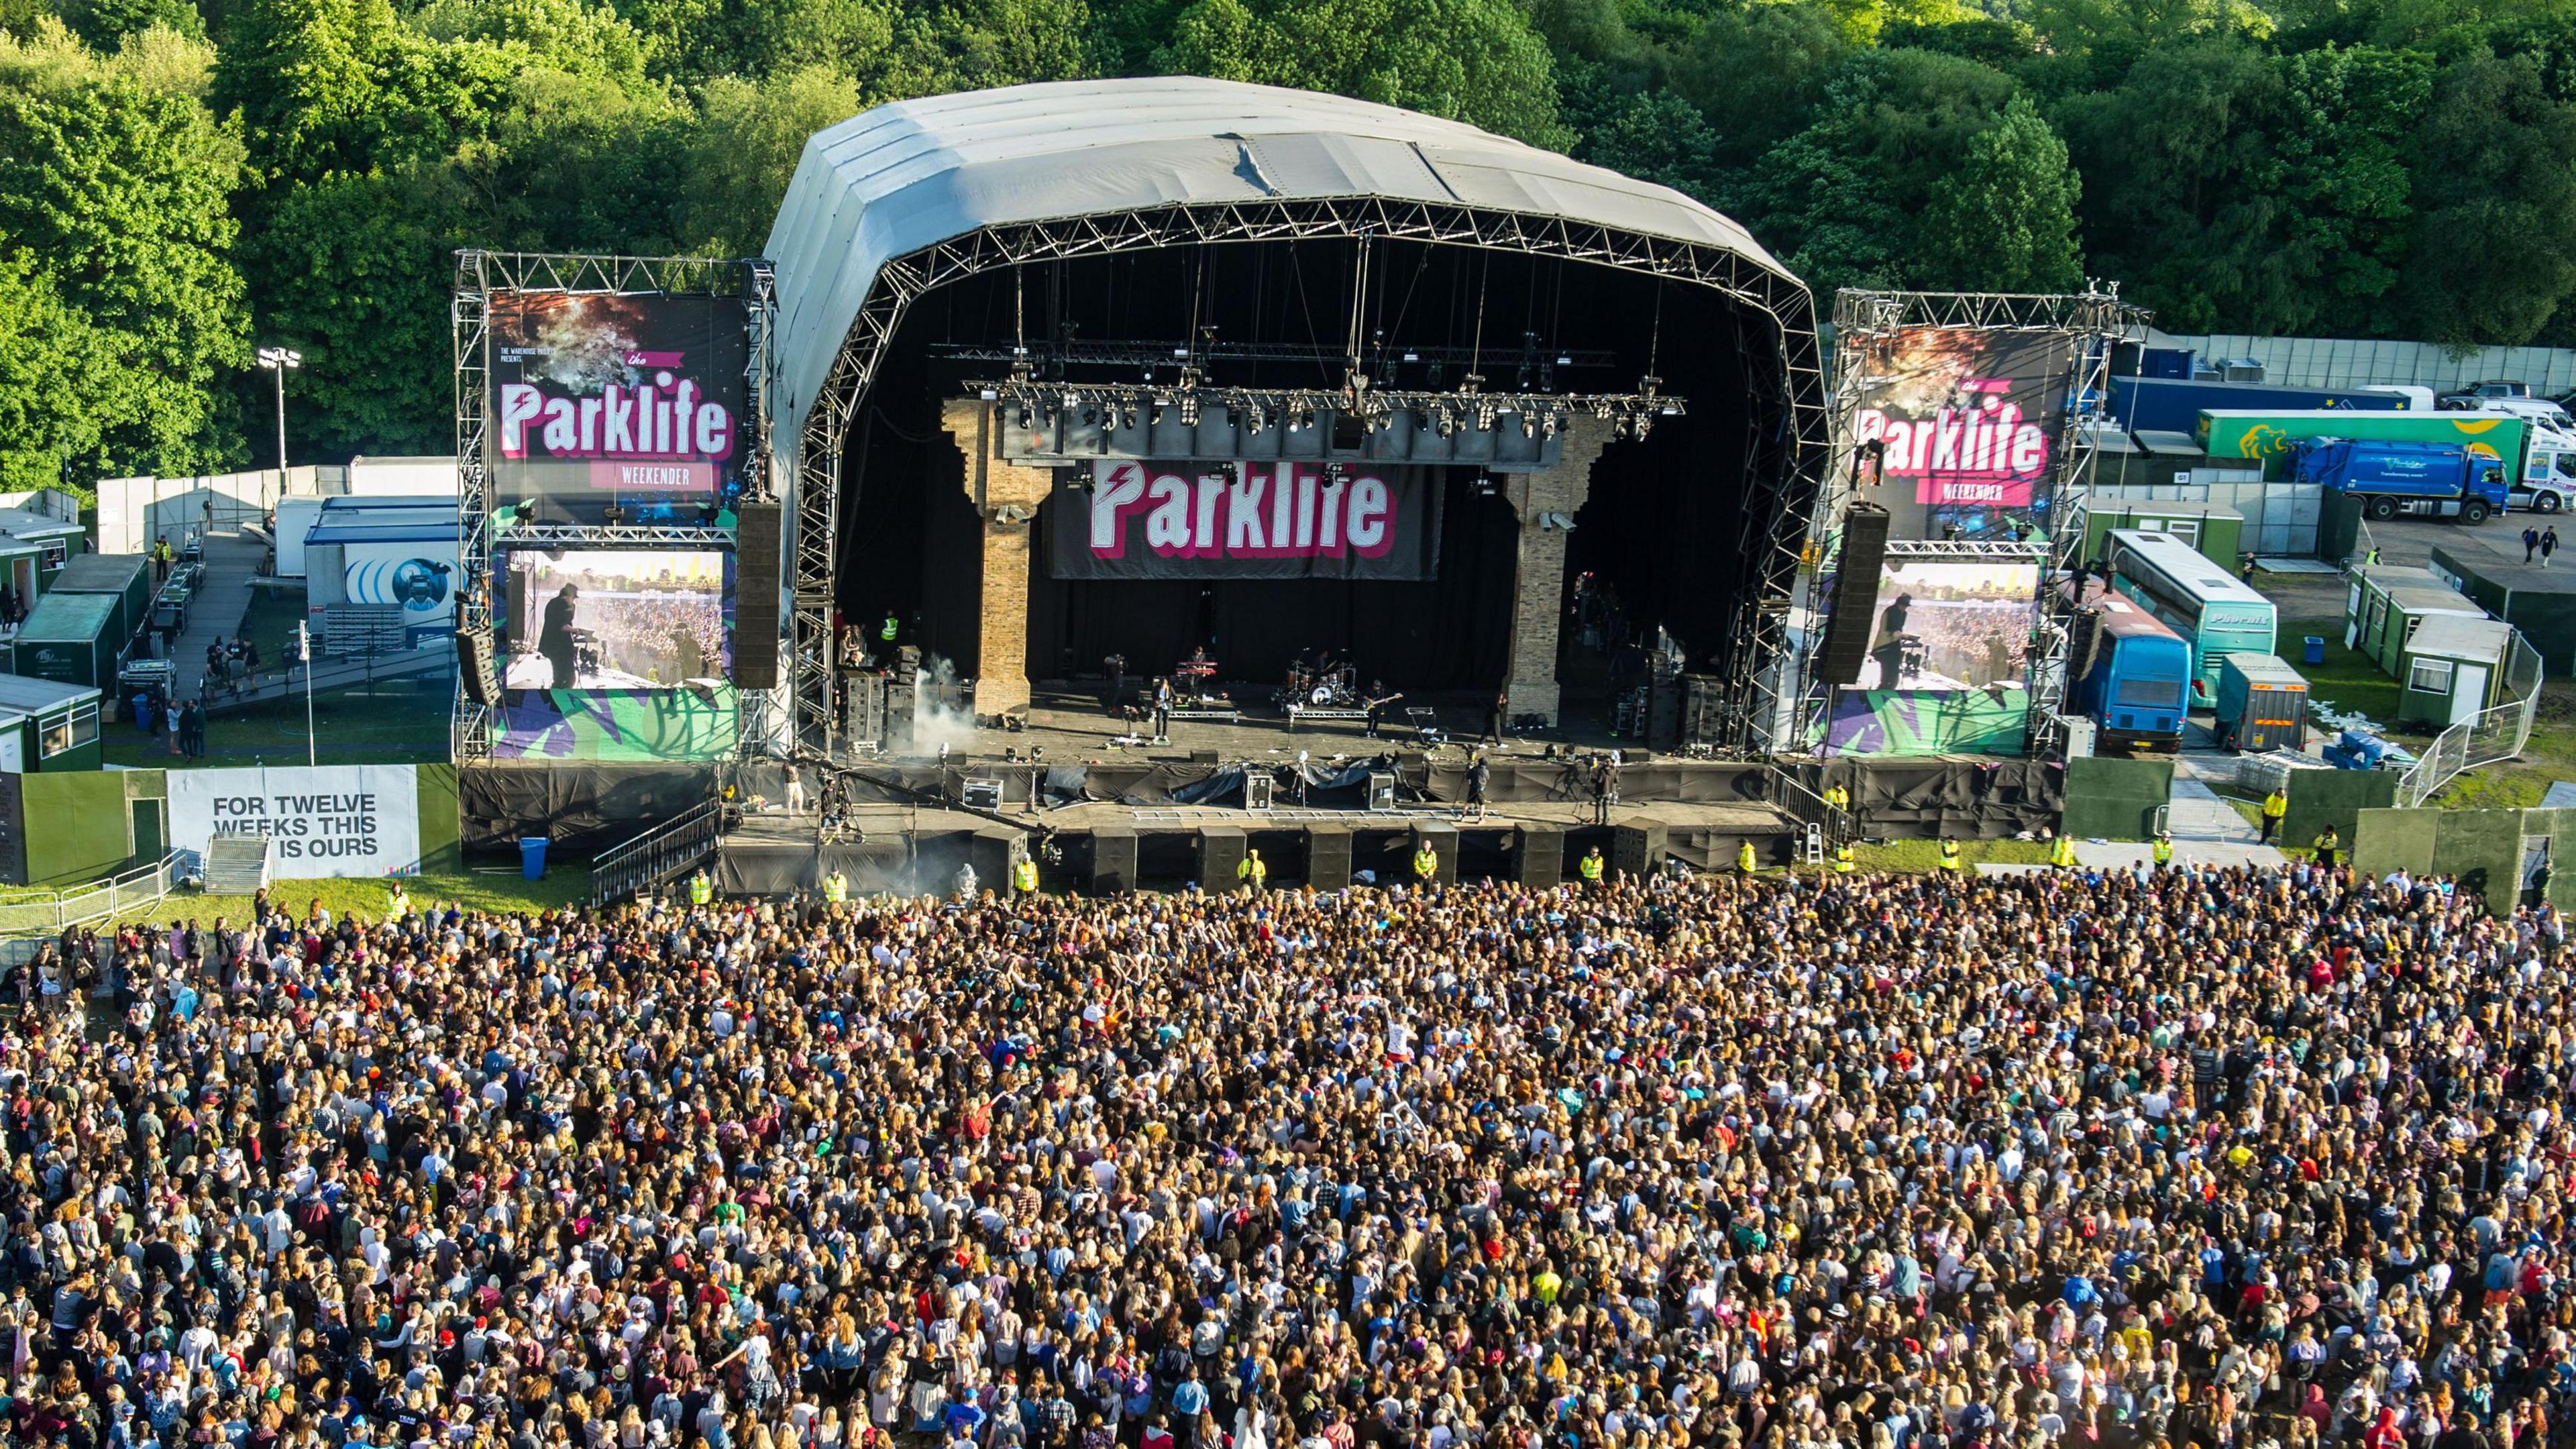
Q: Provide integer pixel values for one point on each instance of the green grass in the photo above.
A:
(2519, 783)
(270, 621)
(2349, 681)
(1925, 855)
(398, 725)
(563, 886)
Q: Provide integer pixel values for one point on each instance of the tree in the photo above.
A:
(1843, 198)
(1657, 136)
(1476, 61)
(2494, 252)
(121, 193)
(1758, 75)
(744, 151)
(61, 383)
(2005, 220)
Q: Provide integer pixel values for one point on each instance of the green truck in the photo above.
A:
(2539, 463)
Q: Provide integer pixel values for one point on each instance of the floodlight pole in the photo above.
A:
(280, 360)
(304, 651)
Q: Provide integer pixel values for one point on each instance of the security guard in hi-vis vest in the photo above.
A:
(1024, 875)
(1745, 864)
(887, 631)
(2062, 854)
(1951, 859)
(1843, 858)
(836, 888)
(1426, 864)
(1253, 871)
(1838, 797)
(1592, 866)
(701, 889)
(2163, 849)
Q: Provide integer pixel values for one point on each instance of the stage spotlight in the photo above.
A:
(1189, 410)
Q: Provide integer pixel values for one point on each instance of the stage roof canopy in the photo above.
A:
(901, 177)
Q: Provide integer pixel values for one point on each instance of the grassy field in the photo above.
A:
(2351, 682)
(1925, 855)
(2519, 784)
(400, 724)
(497, 891)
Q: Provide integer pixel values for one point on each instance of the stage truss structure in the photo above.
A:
(1782, 470)
(479, 274)
(2095, 318)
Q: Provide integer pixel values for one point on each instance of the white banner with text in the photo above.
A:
(330, 820)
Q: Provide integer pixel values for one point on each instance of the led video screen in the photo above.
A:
(618, 619)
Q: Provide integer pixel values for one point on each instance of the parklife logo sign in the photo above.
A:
(1248, 511)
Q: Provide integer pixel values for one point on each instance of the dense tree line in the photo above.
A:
(181, 177)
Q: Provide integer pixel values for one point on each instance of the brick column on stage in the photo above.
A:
(1538, 590)
(1001, 668)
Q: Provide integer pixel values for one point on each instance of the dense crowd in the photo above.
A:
(2182, 1158)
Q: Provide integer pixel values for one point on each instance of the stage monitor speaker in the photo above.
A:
(1846, 642)
(477, 666)
(1638, 851)
(1381, 790)
(1257, 785)
(758, 557)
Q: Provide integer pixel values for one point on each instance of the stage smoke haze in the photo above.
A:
(937, 719)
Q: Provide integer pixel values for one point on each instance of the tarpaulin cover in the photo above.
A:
(582, 808)
(1517, 782)
(1970, 798)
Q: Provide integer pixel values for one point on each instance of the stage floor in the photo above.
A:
(1071, 725)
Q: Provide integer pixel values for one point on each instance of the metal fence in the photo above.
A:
(657, 855)
(2492, 735)
(142, 886)
(2353, 361)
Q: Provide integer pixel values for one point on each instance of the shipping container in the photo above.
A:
(2173, 405)
(124, 577)
(2215, 530)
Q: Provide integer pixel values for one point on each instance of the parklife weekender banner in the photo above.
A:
(331, 820)
(629, 399)
(1969, 422)
(1282, 520)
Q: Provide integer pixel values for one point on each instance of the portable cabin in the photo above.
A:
(70, 638)
(56, 544)
(2262, 703)
(2216, 530)
(2384, 604)
(124, 577)
(47, 725)
(2453, 668)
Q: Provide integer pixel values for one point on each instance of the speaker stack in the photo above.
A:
(1846, 641)
(758, 557)
(478, 664)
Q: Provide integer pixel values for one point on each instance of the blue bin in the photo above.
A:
(532, 857)
(2315, 653)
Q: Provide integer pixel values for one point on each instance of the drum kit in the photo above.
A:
(1322, 684)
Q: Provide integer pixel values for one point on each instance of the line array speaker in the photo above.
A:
(476, 665)
(1846, 642)
(758, 559)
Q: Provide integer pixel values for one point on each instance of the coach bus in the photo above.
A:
(2127, 672)
(2215, 613)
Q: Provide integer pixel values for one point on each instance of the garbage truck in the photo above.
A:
(2427, 480)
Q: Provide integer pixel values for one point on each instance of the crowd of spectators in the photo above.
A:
(2125, 1160)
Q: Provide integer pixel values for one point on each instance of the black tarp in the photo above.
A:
(1969, 797)
(582, 808)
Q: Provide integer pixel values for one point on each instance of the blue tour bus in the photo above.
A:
(2126, 671)
(2214, 612)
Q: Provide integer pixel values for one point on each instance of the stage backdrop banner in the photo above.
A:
(1971, 420)
(631, 399)
(334, 820)
(1247, 521)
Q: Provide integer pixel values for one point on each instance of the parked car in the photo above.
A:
(2480, 392)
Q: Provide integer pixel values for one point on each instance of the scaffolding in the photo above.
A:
(2094, 319)
(480, 274)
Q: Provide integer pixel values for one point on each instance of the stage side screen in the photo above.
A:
(1948, 659)
(628, 401)
(616, 654)
(1964, 425)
